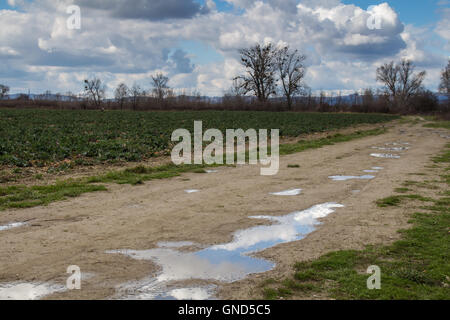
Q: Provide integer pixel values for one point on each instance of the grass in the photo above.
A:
(293, 166)
(396, 200)
(138, 175)
(439, 124)
(300, 146)
(414, 268)
(26, 197)
(67, 138)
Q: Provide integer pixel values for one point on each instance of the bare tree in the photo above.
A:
(95, 91)
(291, 68)
(260, 71)
(135, 93)
(388, 75)
(401, 81)
(3, 90)
(410, 83)
(444, 86)
(160, 87)
(121, 93)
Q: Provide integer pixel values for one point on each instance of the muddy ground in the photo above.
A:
(79, 231)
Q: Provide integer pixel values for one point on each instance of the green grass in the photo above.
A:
(402, 190)
(43, 137)
(396, 200)
(414, 268)
(138, 175)
(26, 197)
(439, 124)
(300, 146)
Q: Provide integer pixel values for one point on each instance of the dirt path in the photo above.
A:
(80, 231)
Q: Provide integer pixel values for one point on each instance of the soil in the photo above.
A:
(79, 231)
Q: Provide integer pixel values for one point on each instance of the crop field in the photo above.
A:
(38, 137)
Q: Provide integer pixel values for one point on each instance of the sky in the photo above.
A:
(196, 42)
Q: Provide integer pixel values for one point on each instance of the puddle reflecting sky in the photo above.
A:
(345, 178)
(12, 225)
(292, 192)
(27, 291)
(226, 262)
(385, 155)
(191, 191)
(392, 148)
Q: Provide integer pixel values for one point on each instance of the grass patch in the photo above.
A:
(402, 190)
(413, 268)
(396, 200)
(26, 197)
(300, 146)
(293, 166)
(439, 124)
(138, 175)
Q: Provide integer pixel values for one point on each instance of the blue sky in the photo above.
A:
(196, 46)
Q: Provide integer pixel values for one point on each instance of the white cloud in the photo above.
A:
(38, 51)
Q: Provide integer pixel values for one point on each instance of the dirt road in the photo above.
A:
(81, 231)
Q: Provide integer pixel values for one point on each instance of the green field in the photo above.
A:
(39, 137)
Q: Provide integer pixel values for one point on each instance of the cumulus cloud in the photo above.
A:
(146, 9)
(120, 41)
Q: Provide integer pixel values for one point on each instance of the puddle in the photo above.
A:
(12, 225)
(391, 148)
(211, 171)
(191, 293)
(377, 168)
(179, 244)
(27, 291)
(226, 263)
(293, 192)
(397, 143)
(370, 171)
(385, 155)
(356, 191)
(345, 178)
(191, 191)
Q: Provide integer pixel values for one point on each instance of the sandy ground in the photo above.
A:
(79, 231)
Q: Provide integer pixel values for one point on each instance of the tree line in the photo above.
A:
(273, 79)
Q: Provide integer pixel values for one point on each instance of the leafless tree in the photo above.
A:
(401, 81)
(260, 71)
(388, 75)
(444, 86)
(95, 91)
(136, 93)
(291, 69)
(3, 90)
(410, 83)
(121, 93)
(160, 87)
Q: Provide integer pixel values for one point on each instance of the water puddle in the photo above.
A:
(211, 171)
(293, 192)
(12, 225)
(191, 191)
(377, 168)
(397, 143)
(397, 149)
(345, 178)
(226, 262)
(370, 171)
(27, 291)
(179, 244)
(385, 155)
